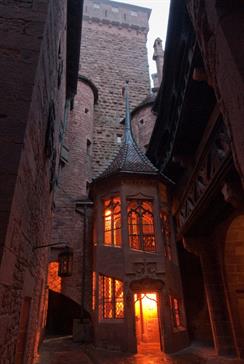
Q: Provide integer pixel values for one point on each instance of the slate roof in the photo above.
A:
(130, 158)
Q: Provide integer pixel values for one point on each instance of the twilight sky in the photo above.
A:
(157, 23)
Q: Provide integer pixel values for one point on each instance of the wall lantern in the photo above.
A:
(65, 260)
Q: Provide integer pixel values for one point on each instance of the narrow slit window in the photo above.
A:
(177, 314)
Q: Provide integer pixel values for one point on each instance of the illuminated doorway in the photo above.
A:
(147, 322)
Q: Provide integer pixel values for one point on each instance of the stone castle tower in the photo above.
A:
(113, 49)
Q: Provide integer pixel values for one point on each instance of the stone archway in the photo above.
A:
(234, 274)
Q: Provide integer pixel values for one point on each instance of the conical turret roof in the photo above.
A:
(130, 158)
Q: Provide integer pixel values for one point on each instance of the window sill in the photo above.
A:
(143, 251)
(112, 246)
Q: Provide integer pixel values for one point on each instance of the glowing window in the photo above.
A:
(111, 298)
(54, 281)
(166, 231)
(93, 290)
(112, 222)
(141, 225)
(176, 310)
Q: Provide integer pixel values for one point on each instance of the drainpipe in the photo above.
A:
(82, 209)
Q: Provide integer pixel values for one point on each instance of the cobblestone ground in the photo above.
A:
(65, 351)
(62, 350)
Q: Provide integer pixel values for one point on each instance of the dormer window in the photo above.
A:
(112, 222)
(141, 225)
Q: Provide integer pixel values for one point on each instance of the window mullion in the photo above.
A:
(112, 226)
(103, 293)
(141, 229)
(113, 299)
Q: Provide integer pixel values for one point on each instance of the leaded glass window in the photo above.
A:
(93, 290)
(141, 225)
(112, 221)
(111, 298)
(176, 310)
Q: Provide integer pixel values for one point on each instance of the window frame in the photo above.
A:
(178, 324)
(113, 300)
(113, 229)
(141, 225)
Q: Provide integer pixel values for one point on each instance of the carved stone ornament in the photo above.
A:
(141, 268)
(146, 284)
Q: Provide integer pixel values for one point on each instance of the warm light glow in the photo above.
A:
(111, 298)
(112, 222)
(149, 305)
(146, 317)
(93, 290)
(141, 225)
(54, 281)
(108, 213)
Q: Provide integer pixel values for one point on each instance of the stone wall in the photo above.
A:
(32, 44)
(74, 175)
(113, 50)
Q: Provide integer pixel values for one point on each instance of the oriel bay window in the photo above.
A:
(111, 298)
(112, 221)
(141, 225)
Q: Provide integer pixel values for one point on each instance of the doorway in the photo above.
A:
(147, 322)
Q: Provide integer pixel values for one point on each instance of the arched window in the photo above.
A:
(112, 221)
(141, 225)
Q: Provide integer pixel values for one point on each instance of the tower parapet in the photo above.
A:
(115, 13)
